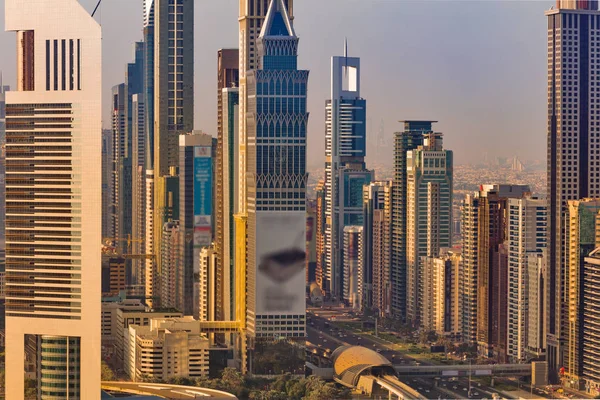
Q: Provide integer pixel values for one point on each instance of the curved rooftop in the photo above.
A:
(350, 362)
(163, 391)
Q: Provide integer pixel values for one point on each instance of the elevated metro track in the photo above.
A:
(431, 371)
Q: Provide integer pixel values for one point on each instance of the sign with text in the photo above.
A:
(202, 196)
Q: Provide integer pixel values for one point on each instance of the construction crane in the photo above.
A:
(110, 249)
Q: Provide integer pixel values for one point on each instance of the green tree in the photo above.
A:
(267, 395)
(107, 374)
(233, 381)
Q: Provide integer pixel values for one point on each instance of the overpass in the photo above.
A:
(448, 371)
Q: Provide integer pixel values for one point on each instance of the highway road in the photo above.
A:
(322, 333)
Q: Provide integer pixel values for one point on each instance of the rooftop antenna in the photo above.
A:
(95, 9)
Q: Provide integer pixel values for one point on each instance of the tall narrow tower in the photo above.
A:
(54, 163)
(429, 173)
(227, 83)
(573, 165)
(173, 104)
(345, 172)
(276, 176)
(411, 138)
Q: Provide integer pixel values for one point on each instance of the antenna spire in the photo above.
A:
(346, 47)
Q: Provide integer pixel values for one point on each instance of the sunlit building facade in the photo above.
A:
(53, 202)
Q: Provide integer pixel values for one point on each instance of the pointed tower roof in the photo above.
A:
(277, 21)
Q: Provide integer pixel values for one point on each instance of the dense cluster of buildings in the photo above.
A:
(205, 247)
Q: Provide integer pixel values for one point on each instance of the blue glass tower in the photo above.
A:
(276, 181)
(345, 170)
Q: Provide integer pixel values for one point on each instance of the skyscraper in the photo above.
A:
(121, 151)
(173, 104)
(138, 189)
(441, 309)
(3, 90)
(537, 304)
(572, 162)
(227, 203)
(320, 234)
(195, 210)
(591, 323)
(526, 225)
(485, 267)
(377, 223)
(583, 236)
(352, 274)
(59, 83)
(227, 83)
(148, 33)
(276, 176)
(252, 14)
(345, 172)
(409, 139)
(429, 184)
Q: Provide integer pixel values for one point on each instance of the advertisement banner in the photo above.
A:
(202, 196)
(280, 263)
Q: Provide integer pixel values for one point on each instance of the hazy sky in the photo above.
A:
(478, 67)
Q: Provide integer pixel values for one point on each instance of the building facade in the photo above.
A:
(377, 207)
(138, 191)
(320, 278)
(441, 311)
(353, 274)
(56, 109)
(404, 141)
(172, 275)
(207, 282)
(527, 219)
(591, 323)
(583, 236)
(228, 206)
(429, 184)
(195, 209)
(173, 107)
(537, 304)
(276, 174)
(572, 167)
(345, 171)
(176, 343)
(227, 104)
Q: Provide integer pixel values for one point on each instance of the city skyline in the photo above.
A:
(493, 114)
(214, 245)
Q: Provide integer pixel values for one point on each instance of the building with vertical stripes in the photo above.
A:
(53, 199)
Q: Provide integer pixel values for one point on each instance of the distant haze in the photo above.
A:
(478, 67)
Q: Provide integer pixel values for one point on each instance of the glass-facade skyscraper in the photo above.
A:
(345, 171)
(276, 174)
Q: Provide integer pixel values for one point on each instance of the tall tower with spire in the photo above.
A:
(252, 15)
(276, 183)
(345, 170)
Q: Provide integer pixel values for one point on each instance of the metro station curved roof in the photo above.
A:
(349, 362)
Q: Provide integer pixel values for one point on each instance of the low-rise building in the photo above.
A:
(167, 348)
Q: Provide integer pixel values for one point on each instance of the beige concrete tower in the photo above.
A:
(54, 198)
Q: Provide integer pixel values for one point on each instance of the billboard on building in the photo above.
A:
(202, 196)
(281, 263)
